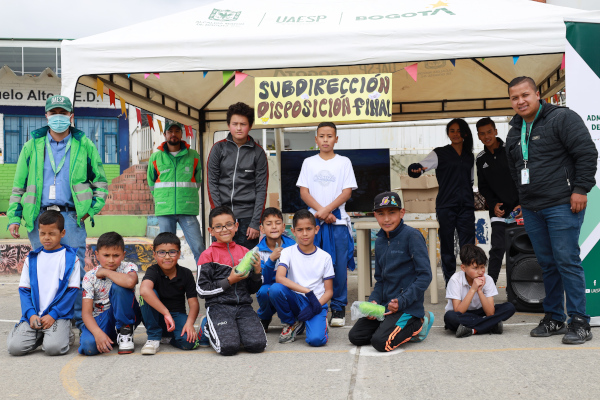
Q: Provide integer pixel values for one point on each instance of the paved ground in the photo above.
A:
(512, 365)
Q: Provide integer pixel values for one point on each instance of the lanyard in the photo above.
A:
(51, 157)
(525, 137)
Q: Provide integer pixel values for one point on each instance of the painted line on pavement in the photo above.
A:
(566, 347)
(12, 321)
(68, 378)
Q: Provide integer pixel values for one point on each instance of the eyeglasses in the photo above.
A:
(227, 226)
(171, 253)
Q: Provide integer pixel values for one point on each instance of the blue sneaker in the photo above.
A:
(427, 324)
(203, 335)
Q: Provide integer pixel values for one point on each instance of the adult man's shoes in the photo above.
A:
(579, 331)
(549, 327)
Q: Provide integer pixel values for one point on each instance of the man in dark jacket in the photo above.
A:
(553, 161)
(498, 188)
(238, 175)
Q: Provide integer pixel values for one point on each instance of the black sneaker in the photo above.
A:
(463, 331)
(338, 318)
(498, 328)
(265, 323)
(549, 327)
(579, 331)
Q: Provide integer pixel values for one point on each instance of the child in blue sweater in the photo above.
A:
(48, 288)
(270, 247)
(402, 274)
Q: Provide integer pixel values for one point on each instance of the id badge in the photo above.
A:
(52, 193)
(525, 176)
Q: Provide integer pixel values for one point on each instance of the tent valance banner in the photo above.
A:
(311, 99)
(583, 84)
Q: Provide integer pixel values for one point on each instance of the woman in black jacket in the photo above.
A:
(454, 203)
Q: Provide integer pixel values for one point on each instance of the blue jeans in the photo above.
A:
(554, 233)
(156, 327)
(191, 230)
(265, 308)
(339, 300)
(289, 304)
(124, 310)
(74, 237)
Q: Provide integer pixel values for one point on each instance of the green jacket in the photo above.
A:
(86, 176)
(175, 180)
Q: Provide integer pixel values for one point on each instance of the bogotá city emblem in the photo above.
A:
(224, 15)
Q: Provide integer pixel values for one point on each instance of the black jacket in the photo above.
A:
(238, 178)
(562, 158)
(495, 181)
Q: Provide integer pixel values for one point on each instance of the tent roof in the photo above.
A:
(316, 37)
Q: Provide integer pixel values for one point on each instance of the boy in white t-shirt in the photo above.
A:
(48, 288)
(304, 285)
(109, 305)
(326, 183)
(470, 293)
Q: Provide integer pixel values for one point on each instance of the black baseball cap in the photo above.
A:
(386, 200)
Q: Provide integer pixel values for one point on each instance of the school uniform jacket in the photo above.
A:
(214, 267)
(268, 265)
(495, 181)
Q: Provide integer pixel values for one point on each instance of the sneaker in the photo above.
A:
(427, 324)
(498, 328)
(151, 347)
(165, 340)
(338, 318)
(289, 332)
(203, 339)
(463, 331)
(265, 323)
(579, 331)
(125, 339)
(549, 327)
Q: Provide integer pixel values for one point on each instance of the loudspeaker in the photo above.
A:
(524, 281)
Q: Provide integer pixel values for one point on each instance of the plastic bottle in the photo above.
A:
(512, 216)
(246, 262)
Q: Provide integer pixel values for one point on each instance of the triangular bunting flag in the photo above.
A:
(111, 94)
(146, 76)
(204, 74)
(226, 76)
(150, 122)
(239, 77)
(99, 88)
(515, 59)
(139, 115)
(562, 65)
(128, 75)
(159, 125)
(123, 109)
(482, 59)
(157, 76)
(412, 71)
(188, 131)
(453, 63)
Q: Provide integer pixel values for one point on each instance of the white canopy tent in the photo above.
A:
(464, 48)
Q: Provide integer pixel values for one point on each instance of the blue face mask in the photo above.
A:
(59, 123)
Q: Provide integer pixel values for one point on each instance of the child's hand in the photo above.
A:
(47, 321)
(369, 317)
(256, 264)
(192, 335)
(103, 343)
(322, 214)
(481, 282)
(330, 219)
(477, 283)
(35, 322)
(169, 322)
(276, 254)
(234, 277)
(392, 307)
(101, 273)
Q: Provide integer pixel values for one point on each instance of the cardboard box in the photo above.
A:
(419, 194)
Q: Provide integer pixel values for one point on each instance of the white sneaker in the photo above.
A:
(151, 347)
(338, 318)
(125, 340)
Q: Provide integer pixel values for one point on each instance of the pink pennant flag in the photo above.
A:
(157, 76)
(562, 65)
(412, 71)
(239, 77)
(146, 76)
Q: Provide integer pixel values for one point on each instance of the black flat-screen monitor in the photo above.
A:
(371, 168)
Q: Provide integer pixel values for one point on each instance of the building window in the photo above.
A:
(16, 133)
(31, 60)
(103, 132)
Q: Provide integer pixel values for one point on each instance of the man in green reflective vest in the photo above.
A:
(60, 169)
(174, 177)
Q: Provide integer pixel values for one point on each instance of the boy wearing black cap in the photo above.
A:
(402, 274)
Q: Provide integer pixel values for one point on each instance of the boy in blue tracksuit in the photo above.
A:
(48, 288)
(270, 250)
(402, 275)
